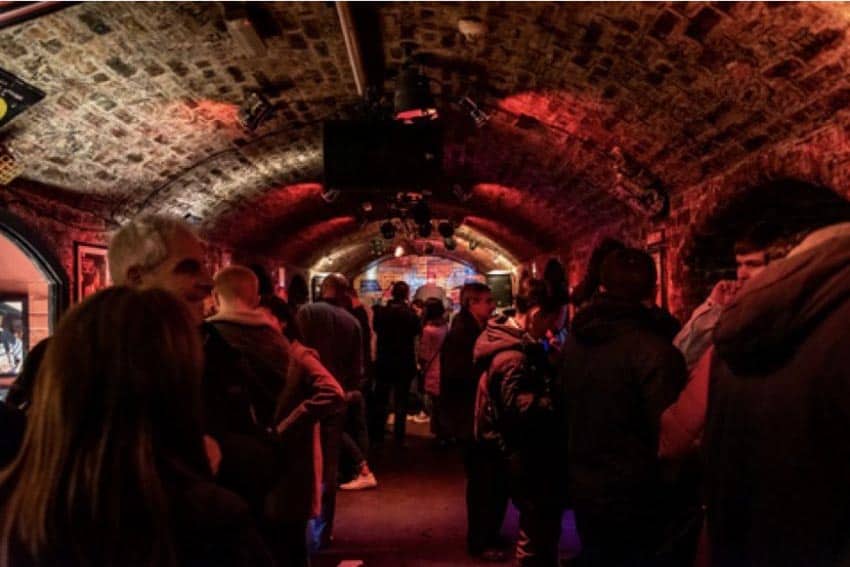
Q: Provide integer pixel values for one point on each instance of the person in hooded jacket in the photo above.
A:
(776, 451)
(619, 372)
(517, 411)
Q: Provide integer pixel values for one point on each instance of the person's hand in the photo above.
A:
(724, 291)
(213, 453)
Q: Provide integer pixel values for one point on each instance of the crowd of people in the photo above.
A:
(150, 431)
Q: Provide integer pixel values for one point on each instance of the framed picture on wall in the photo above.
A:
(14, 335)
(91, 271)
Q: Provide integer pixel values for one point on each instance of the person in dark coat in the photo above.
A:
(517, 411)
(776, 451)
(127, 459)
(619, 372)
(486, 477)
(280, 391)
(458, 375)
(335, 334)
(396, 326)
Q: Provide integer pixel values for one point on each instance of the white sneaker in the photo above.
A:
(362, 482)
(421, 417)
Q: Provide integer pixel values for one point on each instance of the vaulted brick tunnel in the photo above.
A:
(673, 126)
(591, 108)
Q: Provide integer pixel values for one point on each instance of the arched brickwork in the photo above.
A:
(706, 218)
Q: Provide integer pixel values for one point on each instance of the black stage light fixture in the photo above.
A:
(446, 229)
(428, 249)
(450, 243)
(425, 230)
(388, 230)
(421, 213)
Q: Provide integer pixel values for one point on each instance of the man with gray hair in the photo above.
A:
(158, 251)
(161, 251)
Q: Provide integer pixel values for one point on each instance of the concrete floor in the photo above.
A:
(416, 517)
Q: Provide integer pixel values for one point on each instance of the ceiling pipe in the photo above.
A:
(11, 15)
(352, 46)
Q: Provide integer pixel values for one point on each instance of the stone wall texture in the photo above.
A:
(701, 101)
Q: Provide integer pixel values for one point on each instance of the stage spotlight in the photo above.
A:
(425, 230)
(446, 229)
(399, 251)
(388, 230)
(421, 213)
(428, 249)
(450, 243)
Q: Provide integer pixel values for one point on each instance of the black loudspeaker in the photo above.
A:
(382, 155)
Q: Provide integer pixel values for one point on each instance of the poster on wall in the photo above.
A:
(91, 271)
(15, 96)
(13, 334)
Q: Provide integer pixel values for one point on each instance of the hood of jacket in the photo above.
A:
(501, 333)
(249, 317)
(607, 318)
(774, 312)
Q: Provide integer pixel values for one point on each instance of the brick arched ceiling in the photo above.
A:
(142, 98)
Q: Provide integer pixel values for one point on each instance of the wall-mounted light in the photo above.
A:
(478, 116)
(254, 110)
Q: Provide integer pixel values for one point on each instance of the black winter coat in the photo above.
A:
(619, 371)
(778, 423)
(250, 455)
(459, 376)
(517, 410)
(396, 326)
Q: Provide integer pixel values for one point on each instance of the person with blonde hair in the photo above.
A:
(113, 470)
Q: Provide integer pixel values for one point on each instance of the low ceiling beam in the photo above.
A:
(352, 46)
(14, 13)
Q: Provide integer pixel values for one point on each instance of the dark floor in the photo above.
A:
(416, 517)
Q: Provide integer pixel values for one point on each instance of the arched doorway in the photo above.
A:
(791, 207)
(33, 292)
